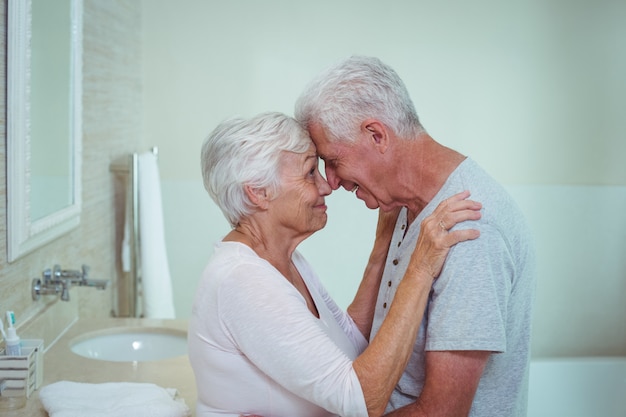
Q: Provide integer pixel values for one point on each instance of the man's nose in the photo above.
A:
(332, 178)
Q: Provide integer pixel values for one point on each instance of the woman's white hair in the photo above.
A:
(356, 89)
(247, 152)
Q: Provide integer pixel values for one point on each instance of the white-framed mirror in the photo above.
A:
(44, 121)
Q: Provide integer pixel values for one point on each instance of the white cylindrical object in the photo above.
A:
(13, 345)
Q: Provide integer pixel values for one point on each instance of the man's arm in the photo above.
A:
(362, 307)
(451, 381)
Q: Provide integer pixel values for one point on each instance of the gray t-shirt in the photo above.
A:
(481, 301)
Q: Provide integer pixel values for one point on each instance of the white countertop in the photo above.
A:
(60, 363)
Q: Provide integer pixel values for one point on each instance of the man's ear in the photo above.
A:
(257, 195)
(376, 133)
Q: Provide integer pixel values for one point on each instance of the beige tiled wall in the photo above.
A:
(112, 128)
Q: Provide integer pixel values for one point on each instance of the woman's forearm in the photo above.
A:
(380, 366)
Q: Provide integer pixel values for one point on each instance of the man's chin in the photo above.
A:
(372, 205)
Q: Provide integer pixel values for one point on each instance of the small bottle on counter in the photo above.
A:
(13, 345)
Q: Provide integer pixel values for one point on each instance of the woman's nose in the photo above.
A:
(323, 186)
(332, 178)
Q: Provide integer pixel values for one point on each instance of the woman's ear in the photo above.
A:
(376, 133)
(257, 195)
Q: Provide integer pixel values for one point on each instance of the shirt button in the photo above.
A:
(395, 262)
(389, 284)
(384, 305)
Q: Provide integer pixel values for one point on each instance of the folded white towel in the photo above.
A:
(112, 399)
(156, 281)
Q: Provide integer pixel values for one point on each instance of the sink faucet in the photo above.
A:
(57, 280)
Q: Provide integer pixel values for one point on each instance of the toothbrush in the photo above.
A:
(13, 345)
(11, 318)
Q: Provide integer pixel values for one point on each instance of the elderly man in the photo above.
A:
(471, 355)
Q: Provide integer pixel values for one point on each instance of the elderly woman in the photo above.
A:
(265, 337)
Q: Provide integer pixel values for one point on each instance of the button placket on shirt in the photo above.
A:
(395, 263)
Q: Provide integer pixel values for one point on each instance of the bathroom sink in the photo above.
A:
(131, 344)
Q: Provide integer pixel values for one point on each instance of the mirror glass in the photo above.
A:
(50, 121)
(44, 78)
